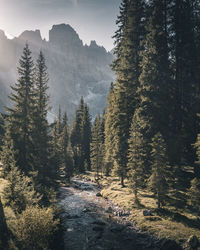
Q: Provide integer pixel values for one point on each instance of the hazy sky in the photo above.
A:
(92, 19)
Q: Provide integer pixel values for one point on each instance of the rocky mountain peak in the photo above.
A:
(2, 35)
(64, 34)
(30, 35)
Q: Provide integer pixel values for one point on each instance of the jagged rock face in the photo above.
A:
(75, 69)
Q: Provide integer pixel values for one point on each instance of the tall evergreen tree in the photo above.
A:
(136, 158)
(81, 136)
(86, 136)
(20, 116)
(127, 67)
(155, 80)
(2, 130)
(109, 131)
(66, 154)
(76, 138)
(158, 179)
(97, 146)
(40, 123)
(3, 229)
(186, 86)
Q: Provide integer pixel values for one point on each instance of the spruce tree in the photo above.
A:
(158, 179)
(3, 228)
(81, 136)
(7, 155)
(40, 123)
(20, 116)
(155, 80)
(66, 154)
(127, 68)
(2, 129)
(109, 131)
(97, 147)
(76, 138)
(194, 194)
(86, 136)
(197, 163)
(186, 83)
(136, 157)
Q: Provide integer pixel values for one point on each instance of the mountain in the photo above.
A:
(75, 69)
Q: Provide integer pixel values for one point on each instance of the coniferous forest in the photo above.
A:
(142, 152)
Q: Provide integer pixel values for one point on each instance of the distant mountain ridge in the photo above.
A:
(75, 69)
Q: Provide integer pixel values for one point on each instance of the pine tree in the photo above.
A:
(66, 154)
(40, 123)
(155, 79)
(2, 130)
(186, 86)
(80, 137)
(158, 179)
(7, 154)
(19, 192)
(20, 116)
(3, 228)
(86, 136)
(109, 131)
(197, 165)
(127, 67)
(76, 138)
(97, 147)
(194, 193)
(137, 157)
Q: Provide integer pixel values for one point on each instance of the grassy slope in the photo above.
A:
(167, 223)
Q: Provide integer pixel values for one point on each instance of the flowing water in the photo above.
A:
(93, 223)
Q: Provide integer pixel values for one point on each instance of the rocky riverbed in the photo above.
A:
(93, 223)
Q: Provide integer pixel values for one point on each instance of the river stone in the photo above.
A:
(109, 210)
(193, 242)
(85, 210)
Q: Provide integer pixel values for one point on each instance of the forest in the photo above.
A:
(143, 150)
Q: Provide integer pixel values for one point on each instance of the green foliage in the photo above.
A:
(136, 158)
(40, 124)
(34, 228)
(20, 116)
(81, 136)
(65, 150)
(109, 131)
(97, 147)
(7, 155)
(3, 228)
(2, 130)
(19, 192)
(158, 179)
(194, 194)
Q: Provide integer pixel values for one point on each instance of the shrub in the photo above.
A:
(34, 228)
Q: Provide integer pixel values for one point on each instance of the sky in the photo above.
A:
(92, 19)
